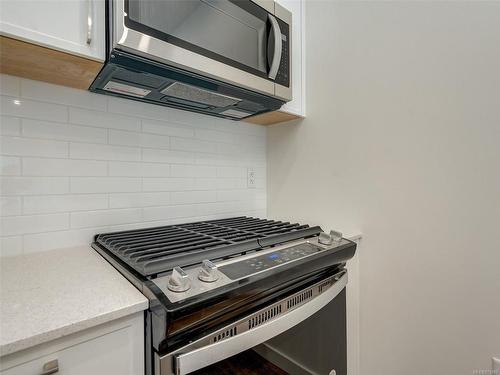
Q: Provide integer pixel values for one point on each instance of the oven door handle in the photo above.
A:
(207, 355)
(278, 46)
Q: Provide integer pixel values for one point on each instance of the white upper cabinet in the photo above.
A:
(297, 106)
(73, 26)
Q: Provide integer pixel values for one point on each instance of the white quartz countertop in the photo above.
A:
(44, 296)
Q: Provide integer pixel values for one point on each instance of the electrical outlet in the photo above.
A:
(251, 178)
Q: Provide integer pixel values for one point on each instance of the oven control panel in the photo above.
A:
(259, 263)
(184, 283)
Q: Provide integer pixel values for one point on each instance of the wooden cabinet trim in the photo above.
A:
(271, 118)
(39, 63)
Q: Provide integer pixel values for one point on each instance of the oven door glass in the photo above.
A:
(233, 32)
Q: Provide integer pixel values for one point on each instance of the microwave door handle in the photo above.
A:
(278, 46)
(89, 21)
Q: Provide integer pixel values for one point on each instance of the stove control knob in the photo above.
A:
(179, 280)
(208, 272)
(325, 239)
(330, 238)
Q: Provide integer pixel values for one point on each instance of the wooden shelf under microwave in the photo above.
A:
(39, 63)
(270, 118)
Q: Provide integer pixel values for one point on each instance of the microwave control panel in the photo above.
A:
(283, 76)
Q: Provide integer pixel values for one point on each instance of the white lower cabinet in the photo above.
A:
(115, 348)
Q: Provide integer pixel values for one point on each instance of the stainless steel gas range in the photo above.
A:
(217, 288)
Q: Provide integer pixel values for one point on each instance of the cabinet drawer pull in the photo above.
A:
(89, 22)
(50, 367)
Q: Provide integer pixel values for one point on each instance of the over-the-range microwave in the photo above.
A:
(226, 58)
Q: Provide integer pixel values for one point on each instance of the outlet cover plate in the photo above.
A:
(251, 178)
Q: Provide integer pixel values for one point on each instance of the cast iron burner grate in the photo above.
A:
(151, 251)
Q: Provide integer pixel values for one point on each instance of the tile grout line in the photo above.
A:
(204, 181)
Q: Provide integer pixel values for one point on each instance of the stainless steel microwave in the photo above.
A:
(228, 58)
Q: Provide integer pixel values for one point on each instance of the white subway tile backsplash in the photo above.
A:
(231, 183)
(103, 119)
(10, 125)
(214, 135)
(34, 243)
(34, 185)
(231, 172)
(63, 132)
(63, 167)
(64, 203)
(223, 160)
(192, 171)
(165, 128)
(11, 246)
(134, 169)
(9, 85)
(168, 184)
(12, 106)
(76, 163)
(15, 225)
(145, 224)
(190, 118)
(104, 184)
(105, 217)
(46, 92)
(137, 109)
(186, 197)
(10, 165)
(170, 212)
(230, 149)
(103, 152)
(167, 156)
(118, 137)
(240, 128)
(241, 195)
(235, 206)
(193, 145)
(33, 147)
(10, 206)
(205, 184)
(125, 200)
(208, 210)
(182, 219)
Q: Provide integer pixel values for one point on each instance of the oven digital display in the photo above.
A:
(260, 263)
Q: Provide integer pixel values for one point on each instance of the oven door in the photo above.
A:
(235, 41)
(251, 330)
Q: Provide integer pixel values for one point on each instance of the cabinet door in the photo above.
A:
(73, 26)
(120, 352)
(297, 105)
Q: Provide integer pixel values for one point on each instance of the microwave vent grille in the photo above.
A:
(197, 95)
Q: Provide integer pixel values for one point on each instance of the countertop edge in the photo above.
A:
(26, 343)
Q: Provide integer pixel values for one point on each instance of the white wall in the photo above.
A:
(75, 163)
(402, 143)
